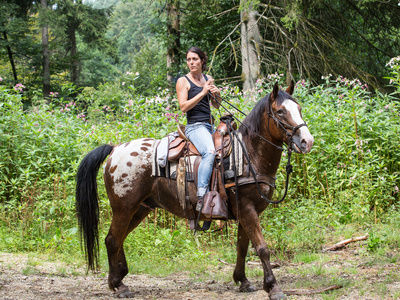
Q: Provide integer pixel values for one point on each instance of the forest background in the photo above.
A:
(77, 74)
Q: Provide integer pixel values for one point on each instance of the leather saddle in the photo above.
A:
(181, 146)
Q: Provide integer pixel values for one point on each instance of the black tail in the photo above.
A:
(87, 200)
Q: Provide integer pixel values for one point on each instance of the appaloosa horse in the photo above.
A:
(132, 190)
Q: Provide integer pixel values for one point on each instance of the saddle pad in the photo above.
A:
(238, 154)
(170, 169)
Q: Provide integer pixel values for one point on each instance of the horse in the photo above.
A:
(275, 120)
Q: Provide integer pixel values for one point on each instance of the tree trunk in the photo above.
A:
(174, 44)
(250, 46)
(46, 54)
(10, 57)
(289, 71)
(74, 67)
(288, 52)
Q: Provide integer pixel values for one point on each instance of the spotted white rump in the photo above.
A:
(127, 162)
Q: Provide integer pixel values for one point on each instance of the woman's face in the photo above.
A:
(194, 62)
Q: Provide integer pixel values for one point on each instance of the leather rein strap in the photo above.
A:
(257, 179)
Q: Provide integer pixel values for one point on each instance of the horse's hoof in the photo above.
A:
(123, 292)
(277, 296)
(246, 287)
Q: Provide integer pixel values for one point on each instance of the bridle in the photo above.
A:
(289, 130)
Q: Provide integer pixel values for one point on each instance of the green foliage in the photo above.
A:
(313, 38)
(18, 36)
(394, 78)
(131, 27)
(373, 242)
(97, 68)
(351, 175)
(150, 63)
(204, 27)
(38, 153)
(354, 163)
(350, 38)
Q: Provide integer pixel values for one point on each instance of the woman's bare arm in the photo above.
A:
(182, 88)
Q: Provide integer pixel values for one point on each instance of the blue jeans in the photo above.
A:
(200, 135)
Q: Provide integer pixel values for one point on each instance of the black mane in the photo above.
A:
(251, 124)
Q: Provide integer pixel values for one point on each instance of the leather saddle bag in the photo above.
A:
(214, 206)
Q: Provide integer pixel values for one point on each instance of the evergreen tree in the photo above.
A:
(17, 42)
(72, 18)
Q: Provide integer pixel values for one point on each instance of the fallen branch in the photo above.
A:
(252, 263)
(345, 242)
(274, 265)
(224, 262)
(312, 292)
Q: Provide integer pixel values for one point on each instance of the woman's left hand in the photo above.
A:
(213, 89)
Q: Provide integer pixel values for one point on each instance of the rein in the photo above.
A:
(284, 126)
(241, 123)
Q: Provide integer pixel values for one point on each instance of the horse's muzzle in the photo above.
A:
(303, 141)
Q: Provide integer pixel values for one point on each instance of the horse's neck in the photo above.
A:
(264, 157)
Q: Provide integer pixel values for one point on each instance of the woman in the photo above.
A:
(193, 92)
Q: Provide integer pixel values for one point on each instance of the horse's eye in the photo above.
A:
(280, 112)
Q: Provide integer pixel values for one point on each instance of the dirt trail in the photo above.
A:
(22, 277)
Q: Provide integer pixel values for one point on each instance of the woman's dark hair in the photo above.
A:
(202, 56)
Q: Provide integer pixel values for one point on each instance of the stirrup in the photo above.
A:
(196, 227)
(206, 224)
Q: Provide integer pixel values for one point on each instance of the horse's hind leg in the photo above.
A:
(239, 274)
(122, 224)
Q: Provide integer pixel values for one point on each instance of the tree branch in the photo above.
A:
(345, 242)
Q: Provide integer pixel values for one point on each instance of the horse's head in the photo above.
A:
(284, 113)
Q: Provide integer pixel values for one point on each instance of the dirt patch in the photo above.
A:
(24, 277)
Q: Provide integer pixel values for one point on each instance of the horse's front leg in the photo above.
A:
(239, 274)
(251, 225)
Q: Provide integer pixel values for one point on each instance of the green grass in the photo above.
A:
(163, 252)
(33, 262)
(29, 270)
(151, 250)
(396, 295)
(306, 257)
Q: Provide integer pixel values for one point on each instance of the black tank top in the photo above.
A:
(201, 112)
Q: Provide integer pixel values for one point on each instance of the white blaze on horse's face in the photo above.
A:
(303, 140)
(126, 164)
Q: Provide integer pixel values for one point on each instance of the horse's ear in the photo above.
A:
(290, 88)
(275, 92)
